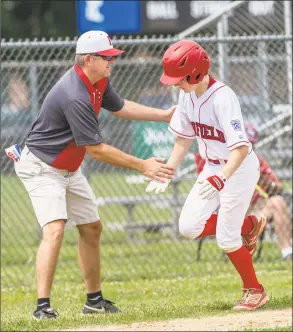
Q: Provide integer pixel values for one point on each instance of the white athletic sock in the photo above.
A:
(286, 252)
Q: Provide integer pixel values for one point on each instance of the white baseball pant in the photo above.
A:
(231, 203)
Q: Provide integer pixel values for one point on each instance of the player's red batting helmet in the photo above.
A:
(251, 133)
(183, 59)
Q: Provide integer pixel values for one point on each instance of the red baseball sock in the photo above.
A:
(248, 224)
(242, 260)
(210, 226)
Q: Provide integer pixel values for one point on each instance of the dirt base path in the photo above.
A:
(230, 322)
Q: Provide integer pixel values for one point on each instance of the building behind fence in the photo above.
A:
(256, 67)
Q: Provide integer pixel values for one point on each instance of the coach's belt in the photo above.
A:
(217, 161)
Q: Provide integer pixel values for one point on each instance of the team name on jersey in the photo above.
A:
(208, 132)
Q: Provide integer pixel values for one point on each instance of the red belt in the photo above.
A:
(216, 161)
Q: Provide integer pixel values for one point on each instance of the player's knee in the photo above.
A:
(188, 229)
(228, 244)
(186, 232)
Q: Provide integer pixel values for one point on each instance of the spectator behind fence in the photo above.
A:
(16, 110)
(274, 208)
(16, 115)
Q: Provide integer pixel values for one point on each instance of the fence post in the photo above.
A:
(176, 207)
(288, 32)
(262, 74)
(33, 79)
(222, 31)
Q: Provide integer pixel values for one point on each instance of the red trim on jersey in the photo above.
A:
(96, 91)
(191, 100)
(180, 133)
(237, 143)
(85, 79)
(211, 81)
(72, 156)
(199, 113)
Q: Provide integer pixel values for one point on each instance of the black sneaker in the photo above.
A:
(103, 306)
(45, 313)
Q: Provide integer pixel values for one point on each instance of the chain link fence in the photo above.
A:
(140, 236)
(247, 18)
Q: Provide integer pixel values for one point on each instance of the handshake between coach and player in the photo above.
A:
(207, 188)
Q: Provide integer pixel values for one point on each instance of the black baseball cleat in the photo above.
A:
(103, 306)
(45, 313)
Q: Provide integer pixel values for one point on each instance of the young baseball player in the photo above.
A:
(66, 129)
(209, 112)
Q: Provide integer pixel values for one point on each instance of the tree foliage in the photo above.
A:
(22, 19)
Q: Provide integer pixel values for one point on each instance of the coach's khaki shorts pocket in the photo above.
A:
(28, 168)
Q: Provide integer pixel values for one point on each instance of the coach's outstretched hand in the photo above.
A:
(154, 168)
(169, 113)
(159, 187)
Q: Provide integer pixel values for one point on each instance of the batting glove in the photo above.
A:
(159, 187)
(210, 186)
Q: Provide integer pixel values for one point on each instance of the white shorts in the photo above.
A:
(56, 194)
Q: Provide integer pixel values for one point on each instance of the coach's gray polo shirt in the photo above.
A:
(68, 120)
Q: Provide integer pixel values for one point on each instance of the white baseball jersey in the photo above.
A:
(214, 119)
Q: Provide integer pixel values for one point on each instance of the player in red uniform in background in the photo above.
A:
(274, 207)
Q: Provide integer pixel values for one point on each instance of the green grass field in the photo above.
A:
(143, 300)
(153, 278)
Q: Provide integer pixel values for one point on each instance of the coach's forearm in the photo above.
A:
(236, 157)
(111, 155)
(180, 149)
(135, 111)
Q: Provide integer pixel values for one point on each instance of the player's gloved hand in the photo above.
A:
(210, 186)
(159, 187)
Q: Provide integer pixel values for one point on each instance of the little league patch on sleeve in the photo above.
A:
(236, 125)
